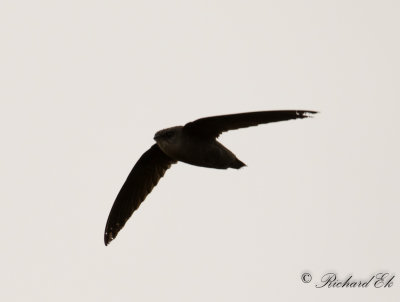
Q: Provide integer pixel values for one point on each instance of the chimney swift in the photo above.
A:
(194, 143)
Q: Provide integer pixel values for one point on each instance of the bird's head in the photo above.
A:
(167, 136)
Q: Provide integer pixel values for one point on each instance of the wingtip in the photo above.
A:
(306, 113)
(108, 237)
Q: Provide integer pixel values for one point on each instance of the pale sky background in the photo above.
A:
(84, 85)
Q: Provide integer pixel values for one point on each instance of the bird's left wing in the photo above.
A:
(212, 127)
(143, 178)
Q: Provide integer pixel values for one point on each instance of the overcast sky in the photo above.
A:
(84, 85)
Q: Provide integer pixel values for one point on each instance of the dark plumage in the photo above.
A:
(195, 144)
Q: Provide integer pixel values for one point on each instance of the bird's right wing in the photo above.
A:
(212, 127)
(144, 176)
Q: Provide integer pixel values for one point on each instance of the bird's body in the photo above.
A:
(194, 143)
(195, 150)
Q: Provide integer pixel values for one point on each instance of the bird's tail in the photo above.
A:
(237, 164)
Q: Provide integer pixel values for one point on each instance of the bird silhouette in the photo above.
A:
(194, 143)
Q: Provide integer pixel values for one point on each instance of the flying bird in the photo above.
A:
(194, 143)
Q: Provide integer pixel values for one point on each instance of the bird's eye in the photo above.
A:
(169, 134)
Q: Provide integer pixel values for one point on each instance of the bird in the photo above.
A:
(196, 144)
